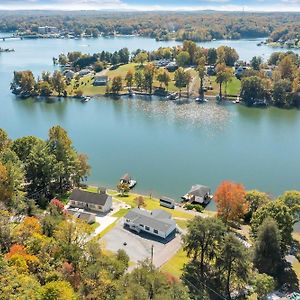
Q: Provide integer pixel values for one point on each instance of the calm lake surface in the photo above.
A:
(166, 147)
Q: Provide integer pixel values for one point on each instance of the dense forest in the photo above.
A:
(196, 26)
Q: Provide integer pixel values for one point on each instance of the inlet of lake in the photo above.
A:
(166, 147)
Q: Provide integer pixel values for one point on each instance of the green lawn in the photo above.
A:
(120, 213)
(86, 86)
(86, 82)
(122, 70)
(94, 226)
(233, 87)
(181, 223)
(153, 203)
(175, 264)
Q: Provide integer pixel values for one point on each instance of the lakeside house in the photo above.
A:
(172, 66)
(84, 72)
(100, 81)
(69, 74)
(198, 194)
(98, 202)
(47, 29)
(157, 222)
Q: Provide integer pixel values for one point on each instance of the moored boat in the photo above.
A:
(128, 180)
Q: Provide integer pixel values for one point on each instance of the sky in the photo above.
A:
(179, 5)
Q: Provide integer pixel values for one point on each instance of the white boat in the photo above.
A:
(237, 101)
(85, 99)
(131, 94)
(201, 100)
(127, 179)
(132, 183)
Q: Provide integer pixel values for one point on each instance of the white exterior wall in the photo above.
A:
(105, 208)
(108, 204)
(151, 230)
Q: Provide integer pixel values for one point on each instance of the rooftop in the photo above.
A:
(89, 197)
(199, 190)
(157, 219)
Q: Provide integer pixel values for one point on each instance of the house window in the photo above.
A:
(155, 231)
(147, 228)
(141, 225)
(127, 220)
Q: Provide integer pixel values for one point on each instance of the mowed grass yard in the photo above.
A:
(175, 265)
(85, 83)
(233, 87)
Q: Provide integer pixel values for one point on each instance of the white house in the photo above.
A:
(99, 202)
(157, 222)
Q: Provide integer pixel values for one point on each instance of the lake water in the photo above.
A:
(166, 147)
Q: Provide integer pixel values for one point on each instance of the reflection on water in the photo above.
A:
(188, 113)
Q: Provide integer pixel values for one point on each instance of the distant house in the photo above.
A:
(47, 29)
(157, 222)
(162, 62)
(87, 217)
(172, 66)
(100, 81)
(84, 72)
(211, 70)
(69, 74)
(99, 202)
(198, 194)
(268, 73)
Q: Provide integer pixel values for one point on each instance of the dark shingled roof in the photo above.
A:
(160, 221)
(89, 197)
(199, 190)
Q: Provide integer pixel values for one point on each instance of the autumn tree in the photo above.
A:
(141, 57)
(252, 88)
(188, 80)
(183, 59)
(201, 73)
(149, 75)
(163, 77)
(123, 188)
(140, 201)
(138, 79)
(116, 85)
(230, 201)
(129, 79)
(180, 79)
(58, 82)
(223, 75)
(23, 83)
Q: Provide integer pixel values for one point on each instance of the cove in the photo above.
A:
(166, 147)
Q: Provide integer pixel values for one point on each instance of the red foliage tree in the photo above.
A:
(230, 201)
(57, 206)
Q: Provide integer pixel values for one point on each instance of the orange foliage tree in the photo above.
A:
(19, 257)
(230, 201)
